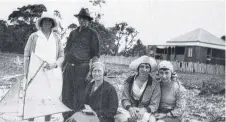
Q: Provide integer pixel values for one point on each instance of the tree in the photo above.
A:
(3, 27)
(98, 4)
(106, 38)
(223, 38)
(23, 20)
(139, 49)
(131, 33)
(105, 34)
(27, 14)
(119, 31)
(123, 34)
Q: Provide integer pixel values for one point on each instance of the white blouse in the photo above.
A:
(137, 92)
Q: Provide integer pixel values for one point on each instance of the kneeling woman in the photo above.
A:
(101, 99)
(141, 94)
(172, 103)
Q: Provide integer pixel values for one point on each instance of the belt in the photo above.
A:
(73, 64)
(70, 64)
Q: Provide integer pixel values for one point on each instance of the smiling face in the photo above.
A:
(165, 75)
(98, 73)
(144, 69)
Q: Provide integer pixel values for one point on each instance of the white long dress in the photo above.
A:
(42, 95)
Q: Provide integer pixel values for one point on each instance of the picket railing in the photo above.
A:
(190, 67)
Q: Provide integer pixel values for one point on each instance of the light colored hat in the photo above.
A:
(46, 15)
(166, 65)
(97, 64)
(143, 59)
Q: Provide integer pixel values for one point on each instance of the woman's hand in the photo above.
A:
(50, 66)
(132, 111)
(160, 115)
(88, 109)
(141, 112)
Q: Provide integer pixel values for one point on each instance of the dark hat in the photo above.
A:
(84, 12)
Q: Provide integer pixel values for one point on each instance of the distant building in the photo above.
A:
(195, 46)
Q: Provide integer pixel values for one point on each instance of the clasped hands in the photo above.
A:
(49, 66)
(88, 110)
(137, 113)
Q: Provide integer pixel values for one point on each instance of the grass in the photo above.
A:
(206, 108)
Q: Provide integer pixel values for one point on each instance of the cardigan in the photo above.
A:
(104, 101)
(150, 98)
(173, 98)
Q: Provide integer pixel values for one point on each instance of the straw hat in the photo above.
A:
(143, 59)
(166, 65)
(46, 15)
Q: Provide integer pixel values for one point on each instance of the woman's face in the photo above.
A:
(144, 69)
(98, 73)
(165, 75)
(47, 23)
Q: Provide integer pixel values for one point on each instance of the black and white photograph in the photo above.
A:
(112, 60)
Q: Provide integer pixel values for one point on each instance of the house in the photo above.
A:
(195, 46)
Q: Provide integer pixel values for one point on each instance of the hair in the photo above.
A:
(41, 22)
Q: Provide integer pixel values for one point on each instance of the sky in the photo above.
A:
(156, 20)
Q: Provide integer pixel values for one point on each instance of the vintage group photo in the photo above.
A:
(112, 61)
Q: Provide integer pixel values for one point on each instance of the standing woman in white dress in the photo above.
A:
(46, 45)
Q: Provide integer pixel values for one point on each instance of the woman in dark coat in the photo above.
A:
(101, 100)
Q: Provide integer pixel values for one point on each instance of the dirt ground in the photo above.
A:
(205, 108)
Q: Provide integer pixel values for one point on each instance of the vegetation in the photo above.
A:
(204, 107)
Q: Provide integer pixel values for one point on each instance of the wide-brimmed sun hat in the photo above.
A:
(166, 65)
(143, 60)
(46, 15)
(84, 12)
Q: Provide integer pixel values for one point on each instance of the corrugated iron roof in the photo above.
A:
(198, 37)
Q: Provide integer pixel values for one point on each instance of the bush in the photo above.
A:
(212, 86)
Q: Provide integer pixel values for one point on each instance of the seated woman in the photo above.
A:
(141, 94)
(172, 103)
(101, 100)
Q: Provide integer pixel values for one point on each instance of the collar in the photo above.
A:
(132, 78)
(84, 28)
(41, 34)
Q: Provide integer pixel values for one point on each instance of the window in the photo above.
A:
(189, 52)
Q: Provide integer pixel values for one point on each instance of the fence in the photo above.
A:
(191, 67)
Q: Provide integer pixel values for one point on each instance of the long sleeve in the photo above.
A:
(180, 102)
(69, 41)
(126, 96)
(95, 46)
(27, 54)
(60, 58)
(155, 99)
(110, 112)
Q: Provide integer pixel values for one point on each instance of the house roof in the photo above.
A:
(198, 37)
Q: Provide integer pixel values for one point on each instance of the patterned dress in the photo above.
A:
(173, 101)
